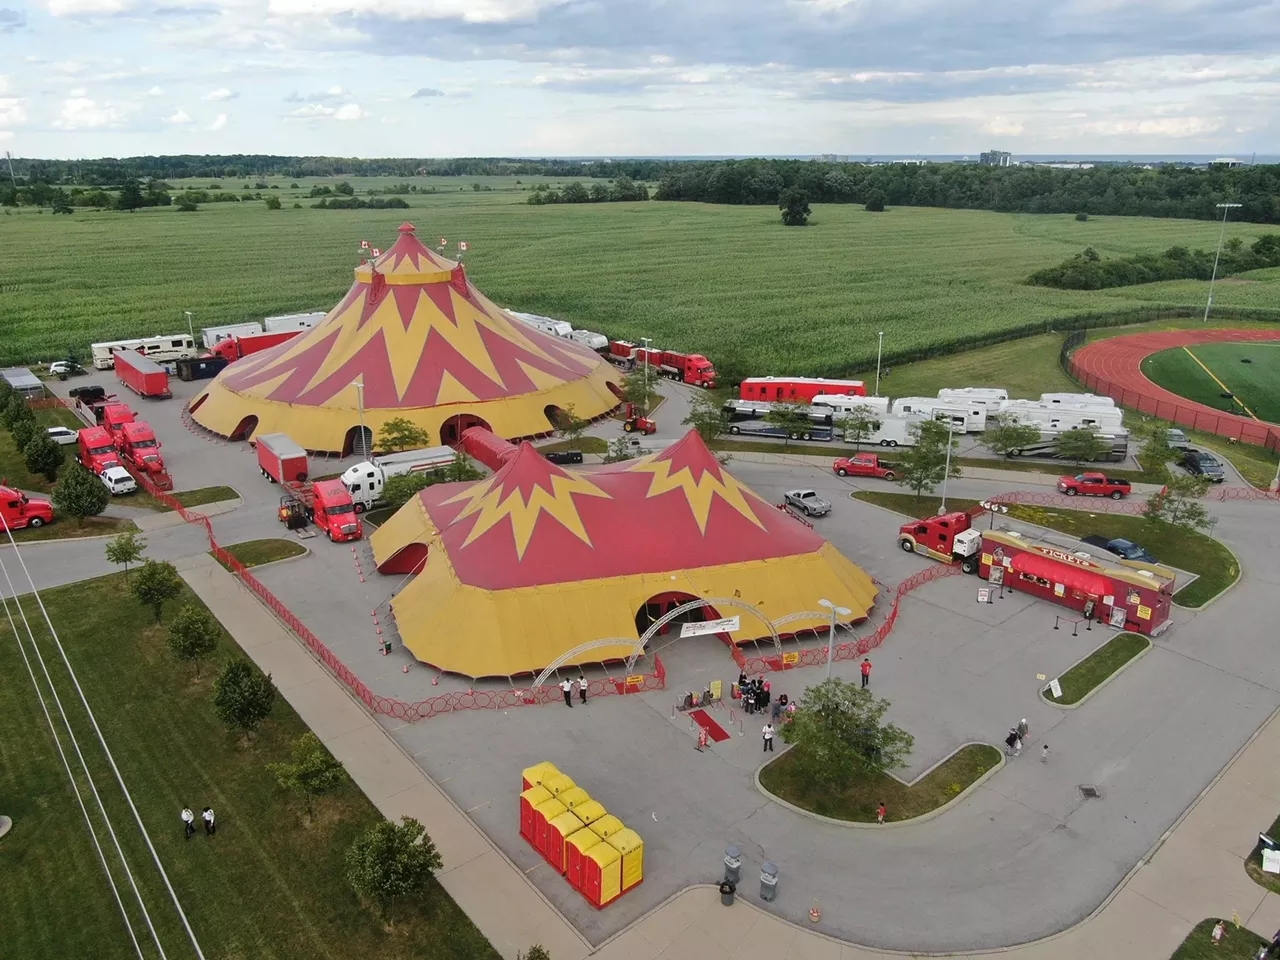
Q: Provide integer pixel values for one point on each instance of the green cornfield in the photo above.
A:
(730, 282)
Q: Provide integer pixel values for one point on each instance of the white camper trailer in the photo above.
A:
(964, 417)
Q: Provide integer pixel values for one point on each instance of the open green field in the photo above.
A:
(269, 885)
(1249, 371)
(730, 281)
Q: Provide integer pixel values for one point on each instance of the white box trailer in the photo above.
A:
(991, 397)
(292, 321)
(844, 403)
(964, 417)
(557, 328)
(212, 336)
(590, 339)
(1077, 399)
(366, 479)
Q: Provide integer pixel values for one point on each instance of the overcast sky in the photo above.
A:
(89, 78)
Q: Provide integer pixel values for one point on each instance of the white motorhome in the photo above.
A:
(590, 339)
(895, 431)
(992, 397)
(1107, 420)
(557, 328)
(1077, 399)
(212, 336)
(366, 479)
(843, 403)
(176, 346)
(964, 417)
(292, 321)
(1117, 446)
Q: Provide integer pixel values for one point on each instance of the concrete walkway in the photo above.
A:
(1194, 872)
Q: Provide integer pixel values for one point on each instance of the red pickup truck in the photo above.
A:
(1093, 485)
(863, 465)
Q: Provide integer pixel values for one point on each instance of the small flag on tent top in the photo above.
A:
(444, 242)
(462, 245)
(377, 252)
(364, 244)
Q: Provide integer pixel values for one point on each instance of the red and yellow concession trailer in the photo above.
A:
(1123, 593)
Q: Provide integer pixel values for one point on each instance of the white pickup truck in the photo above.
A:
(808, 502)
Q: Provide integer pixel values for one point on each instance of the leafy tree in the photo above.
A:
(619, 450)
(6, 392)
(390, 861)
(399, 433)
(794, 204)
(790, 417)
(313, 772)
(1082, 217)
(125, 548)
(1180, 502)
(188, 206)
(398, 491)
(875, 202)
(43, 456)
(23, 431)
(461, 470)
(16, 409)
(575, 193)
(345, 189)
(838, 735)
(707, 416)
(273, 203)
(242, 696)
(158, 583)
(130, 197)
(572, 426)
(1005, 433)
(536, 952)
(635, 390)
(1082, 443)
(857, 425)
(80, 494)
(193, 635)
(924, 465)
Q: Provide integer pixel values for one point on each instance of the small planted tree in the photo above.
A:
(43, 456)
(399, 433)
(1180, 502)
(399, 490)
(618, 451)
(273, 203)
(125, 548)
(461, 470)
(313, 771)
(1082, 444)
(391, 861)
(794, 204)
(536, 952)
(156, 584)
(635, 390)
(875, 202)
(791, 419)
(23, 432)
(839, 735)
(707, 416)
(243, 696)
(15, 409)
(572, 426)
(858, 425)
(1006, 434)
(924, 465)
(80, 494)
(193, 635)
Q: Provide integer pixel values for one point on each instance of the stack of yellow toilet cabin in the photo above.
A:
(600, 857)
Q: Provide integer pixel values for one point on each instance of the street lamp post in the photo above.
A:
(190, 328)
(946, 471)
(644, 407)
(359, 385)
(831, 634)
(1225, 208)
(879, 354)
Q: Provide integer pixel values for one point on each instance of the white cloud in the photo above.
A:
(12, 112)
(318, 111)
(78, 92)
(6, 135)
(179, 116)
(471, 11)
(4, 82)
(219, 122)
(155, 92)
(81, 113)
(221, 94)
(350, 111)
(87, 8)
(1003, 127)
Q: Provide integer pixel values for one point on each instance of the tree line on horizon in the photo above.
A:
(1088, 271)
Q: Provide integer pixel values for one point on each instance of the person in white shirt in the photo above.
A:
(768, 737)
(582, 687)
(210, 828)
(188, 822)
(566, 687)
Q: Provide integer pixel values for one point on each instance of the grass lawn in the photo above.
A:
(1236, 944)
(1094, 669)
(1192, 551)
(203, 495)
(1251, 371)
(268, 886)
(1057, 468)
(254, 553)
(64, 528)
(14, 467)
(585, 444)
(378, 517)
(1253, 866)
(858, 802)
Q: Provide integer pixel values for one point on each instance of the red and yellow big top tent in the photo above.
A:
(427, 346)
(521, 567)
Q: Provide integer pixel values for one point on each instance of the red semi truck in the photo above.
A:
(143, 376)
(17, 510)
(139, 447)
(949, 537)
(280, 459)
(233, 348)
(690, 368)
(95, 450)
(327, 504)
(113, 417)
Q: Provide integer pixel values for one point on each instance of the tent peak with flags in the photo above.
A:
(427, 346)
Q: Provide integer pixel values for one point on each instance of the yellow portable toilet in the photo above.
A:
(558, 783)
(590, 812)
(628, 843)
(559, 830)
(601, 875)
(543, 814)
(575, 851)
(573, 797)
(533, 776)
(606, 826)
(528, 801)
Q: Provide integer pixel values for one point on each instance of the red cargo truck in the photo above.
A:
(326, 503)
(797, 389)
(280, 459)
(113, 417)
(143, 376)
(95, 450)
(17, 510)
(691, 368)
(233, 348)
(139, 446)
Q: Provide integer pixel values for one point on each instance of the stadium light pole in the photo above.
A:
(190, 327)
(879, 353)
(1225, 208)
(831, 634)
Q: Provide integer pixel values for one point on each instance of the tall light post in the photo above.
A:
(946, 471)
(1225, 208)
(831, 634)
(359, 385)
(879, 354)
(644, 342)
(190, 328)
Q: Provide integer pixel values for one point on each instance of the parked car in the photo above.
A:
(65, 368)
(63, 435)
(1177, 439)
(118, 481)
(565, 456)
(808, 502)
(1121, 548)
(1202, 464)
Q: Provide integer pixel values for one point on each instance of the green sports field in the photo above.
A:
(1250, 371)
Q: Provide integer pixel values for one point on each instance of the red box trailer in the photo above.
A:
(485, 446)
(280, 459)
(797, 389)
(143, 376)
(233, 348)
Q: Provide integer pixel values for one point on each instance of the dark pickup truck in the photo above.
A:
(1121, 548)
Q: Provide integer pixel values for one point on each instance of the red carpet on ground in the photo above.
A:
(714, 730)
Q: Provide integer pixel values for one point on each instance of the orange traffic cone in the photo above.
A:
(815, 912)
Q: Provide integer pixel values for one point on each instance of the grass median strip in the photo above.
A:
(196, 498)
(1215, 566)
(857, 803)
(1095, 669)
(1253, 866)
(585, 444)
(254, 553)
(1238, 943)
(64, 528)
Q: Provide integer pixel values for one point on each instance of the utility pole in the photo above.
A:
(946, 471)
(190, 327)
(879, 353)
(9, 156)
(1225, 208)
(831, 634)
(644, 342)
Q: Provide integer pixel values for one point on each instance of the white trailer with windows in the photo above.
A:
(963, 417)
(1107, 420)
(557, 328)
(212, 336)
(176, 346)
(843, 403)
(992, 397)
(895, 431)
(292, 321)
(1077, 399)
(366, 479)
(591, 340)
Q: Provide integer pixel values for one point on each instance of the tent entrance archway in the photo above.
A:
(451, 429)
(716, 605)
(358, 441)
(245, 428)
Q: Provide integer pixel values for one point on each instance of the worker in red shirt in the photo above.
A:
(866, 672)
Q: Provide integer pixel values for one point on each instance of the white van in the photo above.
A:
(118, 481)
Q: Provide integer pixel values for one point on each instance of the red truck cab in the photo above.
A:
(18, 510)
(949, 537)
(95, 450)
(114, 417)
(334, 512)
(691, 368)
(1093, 485)
(139, 446)
(863, 465)
(233, 348)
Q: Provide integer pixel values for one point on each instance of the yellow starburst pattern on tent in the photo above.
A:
(491, 501)
(700, 492)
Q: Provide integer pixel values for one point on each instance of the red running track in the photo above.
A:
(1114, 367)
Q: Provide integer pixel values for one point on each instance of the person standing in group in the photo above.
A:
(566, 687)
(188, 822)
(1044, 754)
(866, 672)
(1023, 728)
(210, 828)
(768, 737)
(765, 687)
(582, 687)
(1017, 747)
(880, 812)
(749, 698)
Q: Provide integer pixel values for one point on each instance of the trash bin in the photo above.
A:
(768, 880)
(733, 864)
(727, 889)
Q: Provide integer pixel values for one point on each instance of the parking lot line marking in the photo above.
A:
(1225, 388)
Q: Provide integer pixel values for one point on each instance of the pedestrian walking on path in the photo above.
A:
(1023, 728)
(566, 687)
(210, 828)
(582, 687)
(188, 822)
(768, 737)
(1044, 754)
(880, 812)
(1010, 740)
(866, 672)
